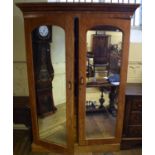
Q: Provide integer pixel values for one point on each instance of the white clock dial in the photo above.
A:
(43, 30)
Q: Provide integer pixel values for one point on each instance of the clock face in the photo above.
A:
(43, 30)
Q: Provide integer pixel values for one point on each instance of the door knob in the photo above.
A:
(81, 80)
(69, 85)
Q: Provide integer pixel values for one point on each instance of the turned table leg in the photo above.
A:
(113, 98)
(102, 100)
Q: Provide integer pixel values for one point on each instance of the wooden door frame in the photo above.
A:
(84, 25)
(31, 22)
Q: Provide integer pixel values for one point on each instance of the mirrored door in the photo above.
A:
(50, 80)
(103, 61)
(101, 79)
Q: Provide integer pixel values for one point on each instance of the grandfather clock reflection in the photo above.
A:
(44, 75)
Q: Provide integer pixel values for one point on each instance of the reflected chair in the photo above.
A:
(100, 48)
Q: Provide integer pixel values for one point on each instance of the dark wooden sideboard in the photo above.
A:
(132, 129)
(21, 110)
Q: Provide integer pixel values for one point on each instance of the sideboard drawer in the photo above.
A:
(135, 118)
(136, 103)
(135, 131)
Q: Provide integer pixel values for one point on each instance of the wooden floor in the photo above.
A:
(100, 125)
(22, 146)
(53, 127)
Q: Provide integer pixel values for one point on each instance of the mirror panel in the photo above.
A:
(103, 62)
(50, 80)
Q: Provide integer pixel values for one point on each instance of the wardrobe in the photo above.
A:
(76, 105)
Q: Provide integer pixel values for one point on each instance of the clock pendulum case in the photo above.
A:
(44, 72)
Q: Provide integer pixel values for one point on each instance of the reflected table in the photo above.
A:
(104, 86)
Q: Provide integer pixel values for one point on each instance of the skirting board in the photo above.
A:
(20, 127)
